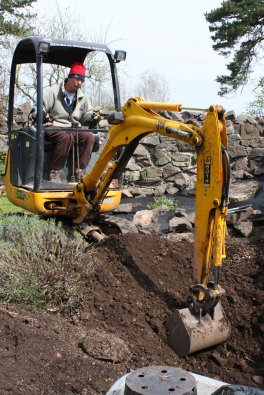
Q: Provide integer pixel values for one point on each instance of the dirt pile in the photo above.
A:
(138, 280)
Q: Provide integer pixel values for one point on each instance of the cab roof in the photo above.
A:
(62, 52)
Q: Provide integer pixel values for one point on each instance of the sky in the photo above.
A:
(169, 36)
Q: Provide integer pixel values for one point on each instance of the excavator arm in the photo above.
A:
(136, 121)
(203, 323)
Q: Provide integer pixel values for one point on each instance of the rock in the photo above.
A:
(141, 151)
(234, 139)
(123, 225)
(242, 118)
(188, 236)
(230, 115)
(106, 346)
(144, 218)
(124, 208)
(259, 171)
(170, 170)
(138, 192)
(150, 229)
(180, 225)
(160, 190)
(180, 213)
(162, 161)
(160, 210)
(237, 175)
(231, 219)
(166, 145)
(132, 165)
(237, 152)
(244, 228)
(132, 176)
(258, 380)
(180, 184)
(240, 164)
(153, 173)
(243, 190)
(22, 113)
(151, 140)
(172, 190)
(3, 143)
(182, 157)
(126, 193)
(103, 124)
(249, 131)
(192, 218)
(245, 215)
(256, 152)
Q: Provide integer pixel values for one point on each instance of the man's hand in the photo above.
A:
(46, 117)
(96, 116)
(92, 119)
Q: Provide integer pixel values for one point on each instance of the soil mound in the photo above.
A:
(137, 281)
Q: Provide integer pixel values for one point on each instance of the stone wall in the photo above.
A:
(169, 166)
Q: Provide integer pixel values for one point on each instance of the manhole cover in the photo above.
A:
(160, 380)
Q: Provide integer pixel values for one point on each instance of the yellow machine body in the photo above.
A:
(53, 203)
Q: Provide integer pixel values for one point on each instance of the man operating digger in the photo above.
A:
(66, 106)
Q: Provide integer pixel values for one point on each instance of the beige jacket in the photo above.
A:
(53, 105)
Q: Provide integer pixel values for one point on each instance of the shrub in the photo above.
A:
(163, 201)
(41, 264)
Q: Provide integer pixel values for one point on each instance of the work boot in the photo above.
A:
(80, 176)
(54, 176)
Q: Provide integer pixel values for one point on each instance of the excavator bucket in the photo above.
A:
(188, 332)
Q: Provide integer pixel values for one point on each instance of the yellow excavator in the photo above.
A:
(202, 323)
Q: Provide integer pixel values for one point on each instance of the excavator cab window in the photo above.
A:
(37, 64)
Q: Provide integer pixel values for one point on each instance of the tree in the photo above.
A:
(14, 22)
(14, 18)
(237, 28)
(153, 86)
(66, 25)
(256, 107)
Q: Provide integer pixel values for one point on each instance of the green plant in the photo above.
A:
(41, 264)
(2, 163)
(237, 33)
(162, 201)
(256, 107)
(144, 173)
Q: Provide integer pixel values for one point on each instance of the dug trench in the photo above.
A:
(137, 281)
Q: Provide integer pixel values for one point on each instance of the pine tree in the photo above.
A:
(14, 18)
(237, 28)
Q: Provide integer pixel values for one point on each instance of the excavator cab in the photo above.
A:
(29, 155)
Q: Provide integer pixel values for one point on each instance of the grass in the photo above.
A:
(162, 201)
(7, 207)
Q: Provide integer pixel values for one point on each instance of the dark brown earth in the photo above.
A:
(138, 280)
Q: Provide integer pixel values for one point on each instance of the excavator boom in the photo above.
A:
(203, 323)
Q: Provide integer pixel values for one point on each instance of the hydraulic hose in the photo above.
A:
(226, 176)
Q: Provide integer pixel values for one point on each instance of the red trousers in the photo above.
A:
(63, 141)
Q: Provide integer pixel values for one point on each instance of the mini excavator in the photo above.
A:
(202, 323)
